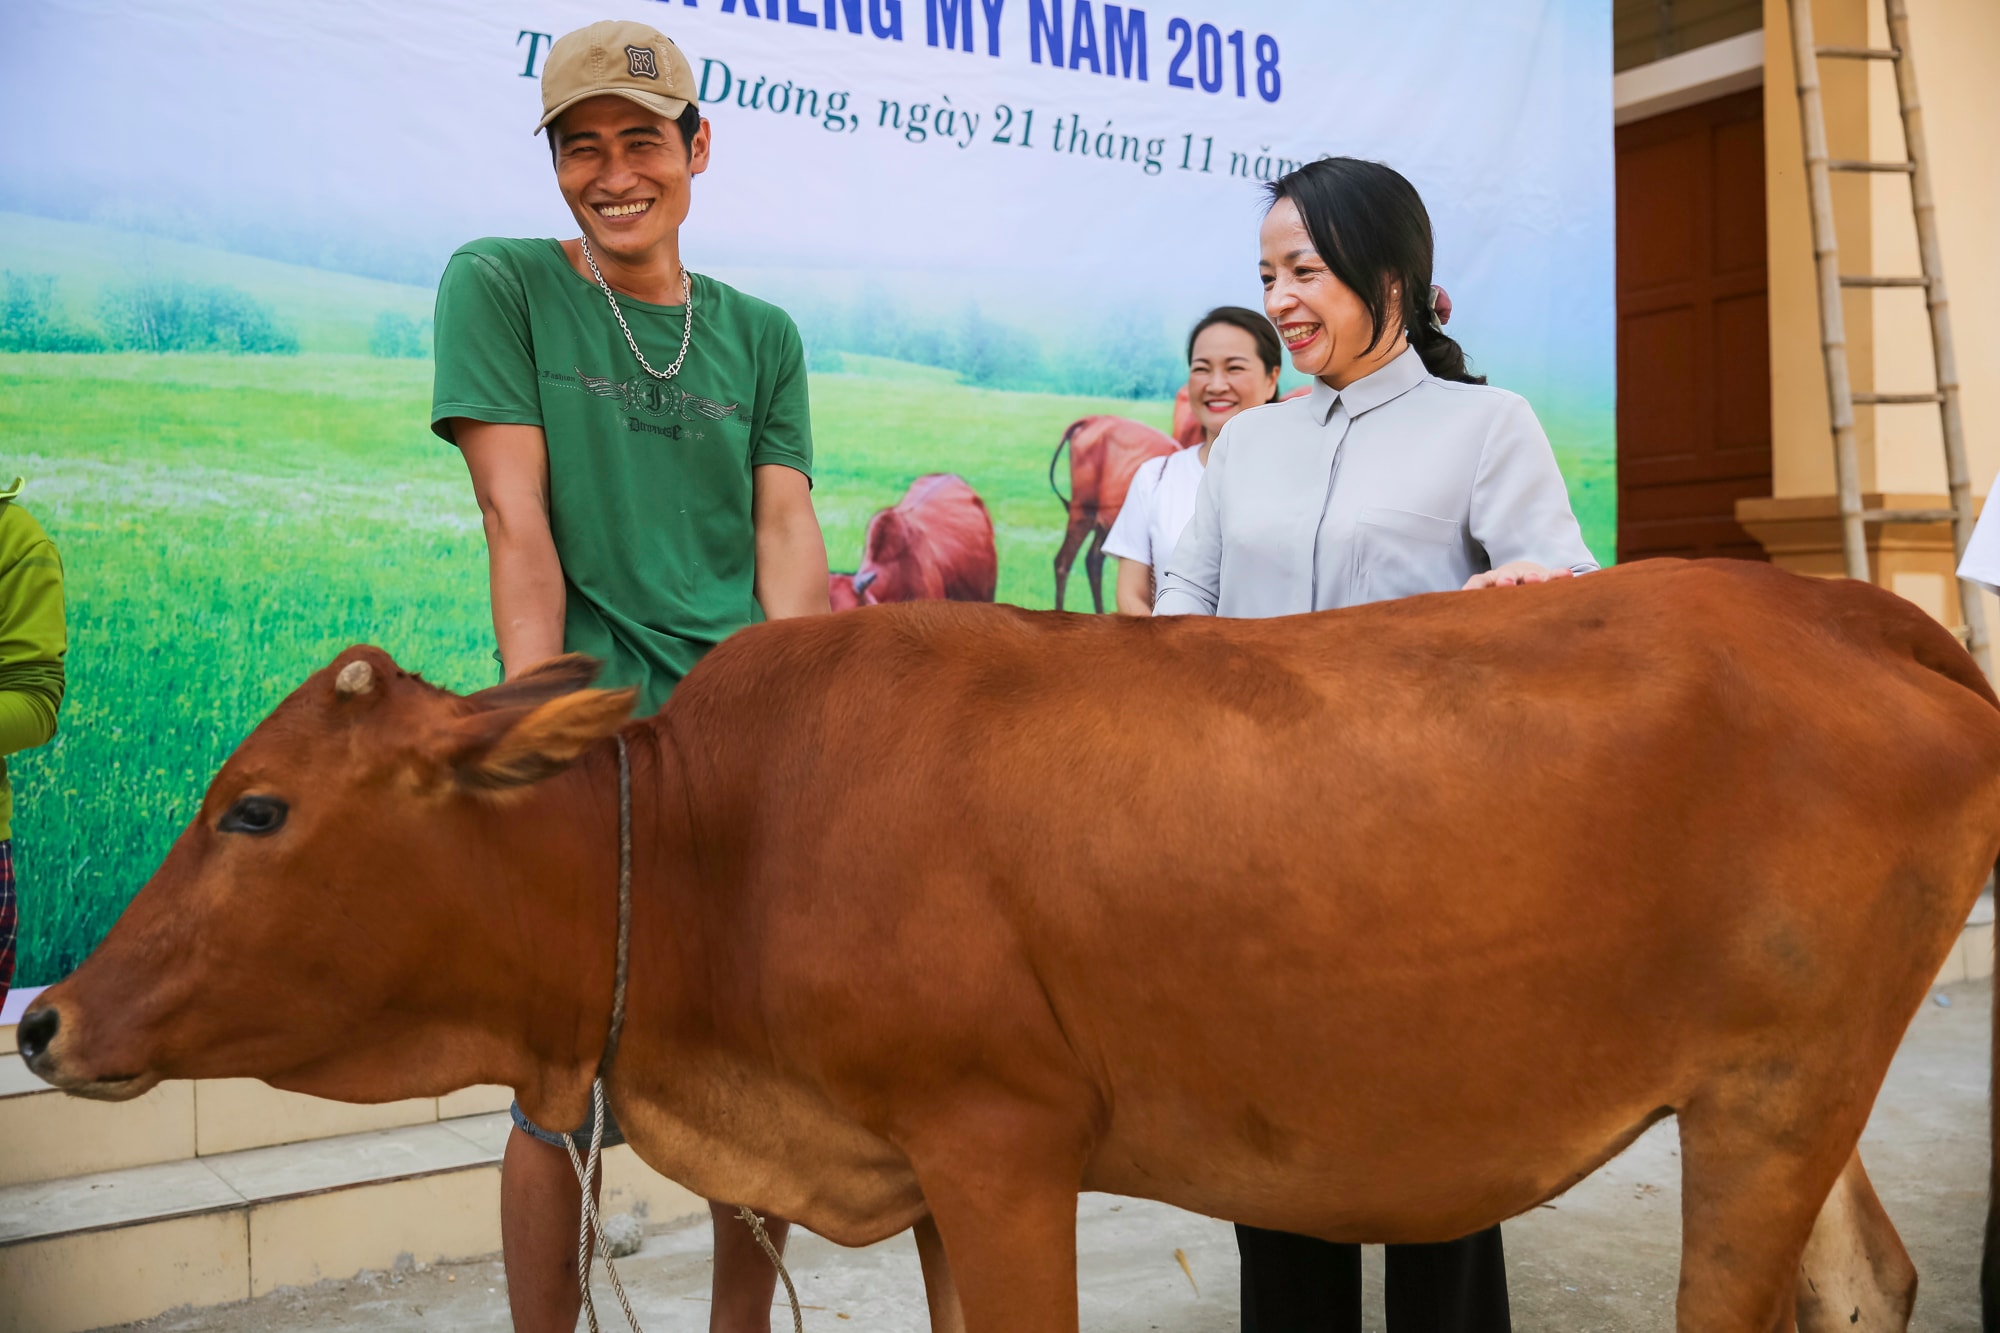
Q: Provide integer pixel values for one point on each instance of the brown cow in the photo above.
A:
(1104, 452)
(840, 594)
(935, 544)
(1481, 886)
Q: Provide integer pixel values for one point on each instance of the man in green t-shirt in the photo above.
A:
(639, 442)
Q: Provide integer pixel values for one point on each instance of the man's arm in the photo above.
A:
(32, 640)
(510, 477)
(791, 553)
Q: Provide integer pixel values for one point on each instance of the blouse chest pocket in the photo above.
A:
(1398, 553)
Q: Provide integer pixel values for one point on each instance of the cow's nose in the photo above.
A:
(37, 1030)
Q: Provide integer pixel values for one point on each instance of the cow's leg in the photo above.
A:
(1753, 1178)
(940, 1292)
(1079, 528)
(1093, 566)
(1855, 1273)
(1002, 1186)
(1012, 1242)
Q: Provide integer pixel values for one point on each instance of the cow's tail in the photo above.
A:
(1056, 458)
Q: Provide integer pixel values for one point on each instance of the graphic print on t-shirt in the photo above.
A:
(650, 396)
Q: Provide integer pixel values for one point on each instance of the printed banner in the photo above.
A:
(221, 228)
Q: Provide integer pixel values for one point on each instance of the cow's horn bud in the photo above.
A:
(354, 678)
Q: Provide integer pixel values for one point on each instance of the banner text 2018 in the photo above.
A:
(943, 122)
(1200, 57)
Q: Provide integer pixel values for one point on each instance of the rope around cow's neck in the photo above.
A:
(591, 1224)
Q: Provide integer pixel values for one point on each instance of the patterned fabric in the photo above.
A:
(9, 916)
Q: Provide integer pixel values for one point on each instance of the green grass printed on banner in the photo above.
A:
(228, 524)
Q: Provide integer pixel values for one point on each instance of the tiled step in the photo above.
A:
(45, 1135)
(116, 1246)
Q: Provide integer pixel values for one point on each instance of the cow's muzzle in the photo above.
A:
(37, 1032)
(36, 1038)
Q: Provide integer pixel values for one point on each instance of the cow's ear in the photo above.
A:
(539, 683)
(511, 747)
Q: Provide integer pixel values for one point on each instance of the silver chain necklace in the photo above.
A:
(687, 315)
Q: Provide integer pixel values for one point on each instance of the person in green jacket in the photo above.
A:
(32, 642)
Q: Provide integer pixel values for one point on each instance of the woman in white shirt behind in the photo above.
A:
(1233, 360)
(1401, 473)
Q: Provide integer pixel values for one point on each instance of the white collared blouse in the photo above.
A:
(1401, 483)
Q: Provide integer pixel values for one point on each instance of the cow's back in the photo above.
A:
(1594, 834)
(956, 536)
(1105, 453)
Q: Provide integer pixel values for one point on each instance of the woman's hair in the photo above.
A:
(1370, 227)
(1269, 351)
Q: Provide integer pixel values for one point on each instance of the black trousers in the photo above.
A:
(1296, 1284)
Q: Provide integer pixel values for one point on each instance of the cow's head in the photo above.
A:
(841, 594)
(337, 918)
(893, 568)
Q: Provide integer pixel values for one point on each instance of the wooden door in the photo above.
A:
(1694, 370)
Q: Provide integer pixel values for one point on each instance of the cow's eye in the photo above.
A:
(254, 814)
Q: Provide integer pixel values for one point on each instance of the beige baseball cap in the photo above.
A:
(628, 60)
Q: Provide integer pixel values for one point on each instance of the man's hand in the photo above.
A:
(1514, 574)
(791, 553)
(510, 477)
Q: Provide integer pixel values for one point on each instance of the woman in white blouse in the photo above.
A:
(1233, 360)
(1401, 473)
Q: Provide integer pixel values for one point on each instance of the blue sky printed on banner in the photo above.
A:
(373, 139)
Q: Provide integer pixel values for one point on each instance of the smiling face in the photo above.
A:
(625, 173)
(1225, 375)
(1325, 326)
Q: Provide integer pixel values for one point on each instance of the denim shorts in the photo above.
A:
(612, 1136)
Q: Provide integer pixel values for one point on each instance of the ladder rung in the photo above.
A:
(1907, 515)
(1852, 164)
(1860, 52)
(1862, 280)
(1897, 399)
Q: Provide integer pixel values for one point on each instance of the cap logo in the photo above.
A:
(641, 62)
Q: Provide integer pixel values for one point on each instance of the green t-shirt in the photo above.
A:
(649, 480)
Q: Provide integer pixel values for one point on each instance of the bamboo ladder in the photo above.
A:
(1841, 398)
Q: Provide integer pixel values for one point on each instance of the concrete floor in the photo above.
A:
(1603, 1257)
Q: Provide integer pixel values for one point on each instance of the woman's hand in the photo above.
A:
(1514, 574)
